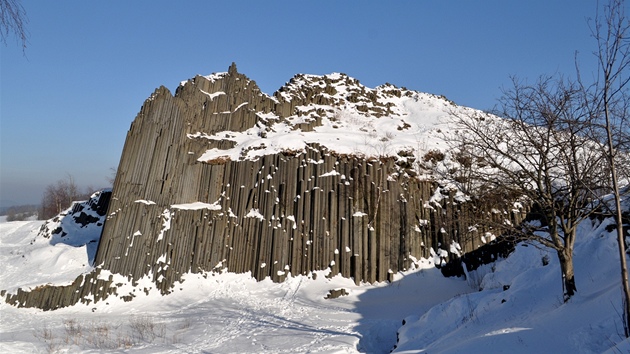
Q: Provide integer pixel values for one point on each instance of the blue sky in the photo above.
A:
(66, 105)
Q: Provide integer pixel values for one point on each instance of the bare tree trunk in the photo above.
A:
(622, 257)
(613, 55)
(619, 221)
(568, 274)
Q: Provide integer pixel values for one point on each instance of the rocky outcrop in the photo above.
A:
(80, 225)
(208, 180)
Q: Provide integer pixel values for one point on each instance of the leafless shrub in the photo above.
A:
(144, 328)
(125, 342)
(48, 337)
(72, 327)
(185, 324)
(45, 333)
(74, 332)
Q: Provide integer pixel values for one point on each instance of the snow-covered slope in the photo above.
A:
(79, 225)
(519, 310)
(27, 246)
(29, 260)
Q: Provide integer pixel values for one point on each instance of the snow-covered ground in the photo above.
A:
(230, 313)
(221, 313)
(529, 316)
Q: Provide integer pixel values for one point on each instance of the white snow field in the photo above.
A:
(211, 313)
(233, 313)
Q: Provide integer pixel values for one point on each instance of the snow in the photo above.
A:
(213, 312)
(79, 225)
(456, 249)
(488, 237)
(240, 105)
(529, 316)
(328, 174)
(213, 95)
(166, 224)
(292, 219)
(518, 310)
(505, 331)
(197, 206)
(412, 124)
(29, 261)
(255, 213)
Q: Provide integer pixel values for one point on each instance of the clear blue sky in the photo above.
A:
(66, 105)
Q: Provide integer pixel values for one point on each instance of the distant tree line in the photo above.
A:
(20, 212)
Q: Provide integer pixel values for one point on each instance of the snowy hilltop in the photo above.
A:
(334, 111)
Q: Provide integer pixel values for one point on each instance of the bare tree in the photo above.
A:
(13, 20)
(112, 178)
(608, 98)
(59, 196)
(539, 151)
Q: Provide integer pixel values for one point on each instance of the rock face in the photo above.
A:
(222, 176)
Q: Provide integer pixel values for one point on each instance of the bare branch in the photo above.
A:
(13, 20)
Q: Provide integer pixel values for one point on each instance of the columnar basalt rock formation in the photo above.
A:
(213, 178)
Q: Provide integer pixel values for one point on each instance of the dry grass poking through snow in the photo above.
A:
(103, 335)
